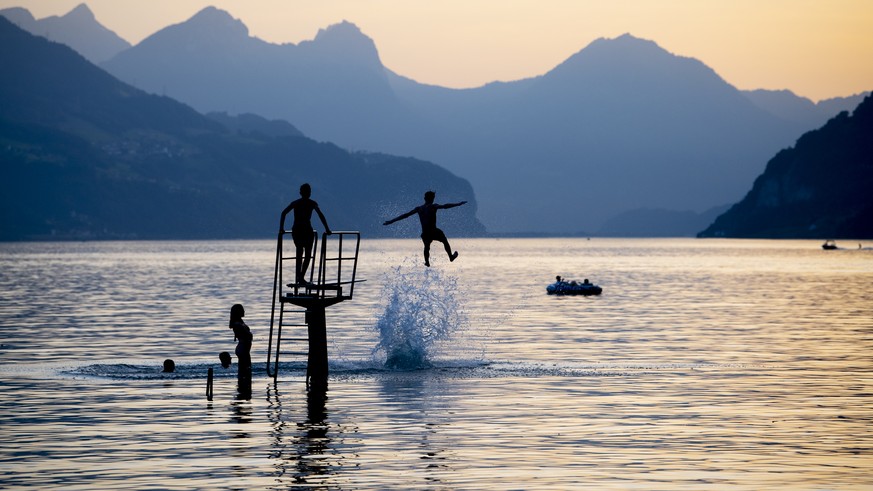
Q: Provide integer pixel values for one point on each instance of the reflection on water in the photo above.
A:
(703, 365)
(302, 448)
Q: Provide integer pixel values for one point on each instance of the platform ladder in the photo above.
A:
(297, 318)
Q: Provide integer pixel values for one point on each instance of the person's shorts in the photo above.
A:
(433, 235)
(303, 237)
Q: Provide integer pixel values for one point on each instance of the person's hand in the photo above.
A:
(463, 202)
(328, 232)
(386, 222)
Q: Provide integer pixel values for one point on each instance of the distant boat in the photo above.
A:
(829, 245)
(563, 287)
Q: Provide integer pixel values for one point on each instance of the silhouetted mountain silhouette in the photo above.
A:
(87, 156)
(77, 29)
(820, 188)
(620, 125)
(790, 107)
(334, 85)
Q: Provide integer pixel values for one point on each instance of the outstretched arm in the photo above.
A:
(401, 217)
(323, 220)
(452, 205)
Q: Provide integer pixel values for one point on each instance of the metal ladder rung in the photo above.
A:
(313, 286)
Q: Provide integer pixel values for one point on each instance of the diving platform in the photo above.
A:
(298, 326)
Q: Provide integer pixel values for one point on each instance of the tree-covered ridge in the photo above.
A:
(87, 156)
(820, 188)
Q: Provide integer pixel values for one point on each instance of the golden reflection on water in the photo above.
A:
(704, 365)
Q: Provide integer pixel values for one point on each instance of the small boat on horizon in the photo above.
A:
(563, 287)
(829, 245)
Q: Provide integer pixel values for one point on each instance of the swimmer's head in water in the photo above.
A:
(224, 356)
(169, 366)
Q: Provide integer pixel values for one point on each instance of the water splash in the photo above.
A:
(422, 310)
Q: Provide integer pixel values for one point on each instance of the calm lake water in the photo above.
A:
(705, 364)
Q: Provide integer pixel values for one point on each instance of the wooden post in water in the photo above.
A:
(209, 376)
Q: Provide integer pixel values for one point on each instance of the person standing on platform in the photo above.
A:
(301, 229)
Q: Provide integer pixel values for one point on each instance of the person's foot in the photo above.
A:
(427, 263)
(453, 256)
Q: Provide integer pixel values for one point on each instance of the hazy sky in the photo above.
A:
(816, 48)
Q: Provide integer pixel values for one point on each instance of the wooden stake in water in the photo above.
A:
(209, 375)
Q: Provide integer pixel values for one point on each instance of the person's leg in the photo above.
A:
(440, 236)
(303, 243)
(244, 375)
(448, 248)
(307, 256)
(452, 255)
(426, 252)
(299, 265)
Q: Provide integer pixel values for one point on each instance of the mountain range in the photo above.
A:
(86, 156)
(620, 125)
(821, 188)
(78, 29)
(623, 138)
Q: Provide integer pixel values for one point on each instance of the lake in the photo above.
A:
(704, 364)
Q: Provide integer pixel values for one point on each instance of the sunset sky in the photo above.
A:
(816, 48)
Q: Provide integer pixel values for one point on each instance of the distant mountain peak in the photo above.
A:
(77, 28)
(81, 12)
(345, 41)
(19, 16)
(626, 38)
(341, 30)
(620, 64)
(215, 18)
(209, 30)
(626, 43)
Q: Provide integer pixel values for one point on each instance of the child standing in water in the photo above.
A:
(243, 335)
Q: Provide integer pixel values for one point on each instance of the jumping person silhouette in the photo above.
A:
(301, 229)
(429, 231)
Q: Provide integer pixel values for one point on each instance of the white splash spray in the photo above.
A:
(422, 310)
